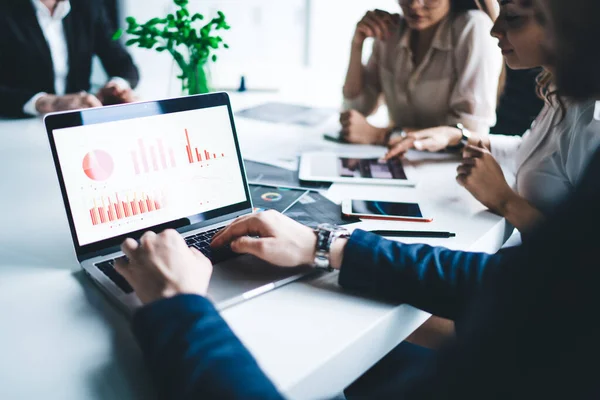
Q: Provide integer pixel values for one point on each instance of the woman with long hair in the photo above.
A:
(549, 160)
(434, 67)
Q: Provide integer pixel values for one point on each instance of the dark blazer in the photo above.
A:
(529, 314)
(26, 65)
(193, 354)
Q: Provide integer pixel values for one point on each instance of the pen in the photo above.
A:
(423, 234)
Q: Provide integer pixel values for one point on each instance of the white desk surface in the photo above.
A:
(62, 339)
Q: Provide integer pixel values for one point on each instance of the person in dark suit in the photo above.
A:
(47, 48)
(526, 326)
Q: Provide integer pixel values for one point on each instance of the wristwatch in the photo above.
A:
(326, 235)
(395, 133)
(466, 135)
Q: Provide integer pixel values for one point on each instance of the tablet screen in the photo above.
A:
(370, 168)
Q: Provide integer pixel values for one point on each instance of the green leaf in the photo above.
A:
(131, 21)
(160, 49)
(225, 45)
(117, 35)
(153, 21)
(197, 16)
(131, 42)
(214, 57)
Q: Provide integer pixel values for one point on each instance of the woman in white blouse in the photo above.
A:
(435, 67)
(549, 160)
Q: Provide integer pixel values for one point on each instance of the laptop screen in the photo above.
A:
(127, 175)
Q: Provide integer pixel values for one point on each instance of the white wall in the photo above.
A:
(332, 24)
(272, 41)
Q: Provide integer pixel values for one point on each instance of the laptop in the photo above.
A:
(176, 163)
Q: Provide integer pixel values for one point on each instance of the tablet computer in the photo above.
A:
(332, 167)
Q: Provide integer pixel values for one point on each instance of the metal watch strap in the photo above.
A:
(326, 235)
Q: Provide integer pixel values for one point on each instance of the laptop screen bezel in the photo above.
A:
(62, 120)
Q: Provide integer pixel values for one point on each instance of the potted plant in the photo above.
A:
(191, 46)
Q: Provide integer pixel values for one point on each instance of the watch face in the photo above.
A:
(328, 227)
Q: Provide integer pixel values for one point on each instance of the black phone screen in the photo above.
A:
(386, 208)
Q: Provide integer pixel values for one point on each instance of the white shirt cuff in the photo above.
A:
(29, 107)
(121, 83)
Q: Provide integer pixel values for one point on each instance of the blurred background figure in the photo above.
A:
(47, 48)
(434, 67)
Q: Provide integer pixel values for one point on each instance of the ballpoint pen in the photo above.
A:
(423, 234)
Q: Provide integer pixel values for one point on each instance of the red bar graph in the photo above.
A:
(144, 157)
(154, 160)
(118, 209)
(161, 153)
(136, 165)
(143, 208)
(194, 154)
(126, 209)
(188, 148)
(172, 157)
(135, 208)
(152, 156)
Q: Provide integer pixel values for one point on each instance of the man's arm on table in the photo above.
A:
(434, 279)
(193, 354)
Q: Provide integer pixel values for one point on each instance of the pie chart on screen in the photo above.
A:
(98, 165)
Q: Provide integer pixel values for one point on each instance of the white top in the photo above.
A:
(54, 33)
(457, 81)
(549, 159)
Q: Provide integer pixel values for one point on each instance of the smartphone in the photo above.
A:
(383, 210)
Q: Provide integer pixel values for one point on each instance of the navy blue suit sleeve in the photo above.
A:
(193, 354)
(434, 279)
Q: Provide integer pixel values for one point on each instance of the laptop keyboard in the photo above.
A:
(200, 241)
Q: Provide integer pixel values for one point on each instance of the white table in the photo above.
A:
(62, 339)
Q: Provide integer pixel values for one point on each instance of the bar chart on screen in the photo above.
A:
(152, 155)
(197, 155)
(117, 207)
(155, 154)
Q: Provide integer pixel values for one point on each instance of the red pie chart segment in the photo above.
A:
(98, 165)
